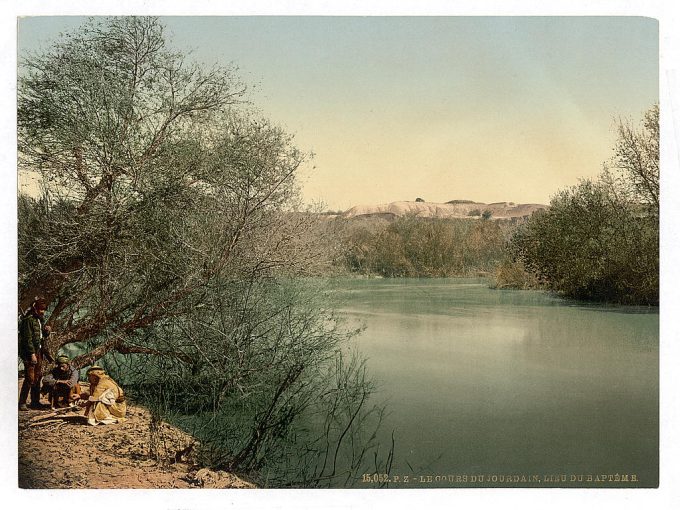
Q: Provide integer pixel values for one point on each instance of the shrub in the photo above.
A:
(416, 247)
(590, 245)
(600, 239)
(511, 274)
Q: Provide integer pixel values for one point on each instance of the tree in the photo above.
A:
(165, 238)
(635, 164)
(599, 240)
(118, 125)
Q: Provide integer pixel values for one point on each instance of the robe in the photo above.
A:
(106, 403)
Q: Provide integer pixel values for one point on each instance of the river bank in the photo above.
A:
(63, 452)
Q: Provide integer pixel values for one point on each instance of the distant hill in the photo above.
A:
(451, 209)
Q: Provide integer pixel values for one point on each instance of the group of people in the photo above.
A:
(104, 402)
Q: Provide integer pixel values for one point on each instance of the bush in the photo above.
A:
(591, 246)
(600, 239)
(511, 274)
(416, 247)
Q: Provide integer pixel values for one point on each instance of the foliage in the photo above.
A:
(168, 225)
(153, 184)
(269, 391)
(635, 165)
(411, 246)
(511, 274)
(600, 239)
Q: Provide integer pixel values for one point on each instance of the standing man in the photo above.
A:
(32, 350)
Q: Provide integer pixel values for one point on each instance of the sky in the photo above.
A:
(480, 108)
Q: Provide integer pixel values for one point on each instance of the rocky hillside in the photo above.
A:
(452, 209)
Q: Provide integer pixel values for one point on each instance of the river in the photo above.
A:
(508, 388)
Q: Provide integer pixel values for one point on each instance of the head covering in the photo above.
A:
(62, 359)
(96, 370)
(39, 303)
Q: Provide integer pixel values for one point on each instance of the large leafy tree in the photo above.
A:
(635, 164)
(164, 239)
(599, 240)
(153, 184)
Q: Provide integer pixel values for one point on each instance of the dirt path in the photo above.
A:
(63, 452)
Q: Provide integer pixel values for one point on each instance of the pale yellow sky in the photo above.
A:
(496, 158)
(482, 108)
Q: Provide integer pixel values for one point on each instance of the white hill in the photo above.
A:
(453, 209)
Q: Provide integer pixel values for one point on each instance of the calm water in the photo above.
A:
(483, 382)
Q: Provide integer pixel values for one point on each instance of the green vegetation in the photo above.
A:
(413, 247)
(270, 392)
(600, 239)
(165, 240)
(511, 274)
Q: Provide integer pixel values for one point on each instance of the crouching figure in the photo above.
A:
(61, 384)
(105, 400)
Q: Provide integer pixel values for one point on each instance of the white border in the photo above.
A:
(667, 496)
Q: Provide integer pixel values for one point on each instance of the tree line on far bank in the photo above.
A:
(598, 240)
(424, 247)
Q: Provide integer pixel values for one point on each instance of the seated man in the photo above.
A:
(61, 385)
(105, 400)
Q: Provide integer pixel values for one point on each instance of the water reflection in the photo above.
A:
(509, 381)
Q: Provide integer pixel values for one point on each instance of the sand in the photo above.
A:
(63, 452)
